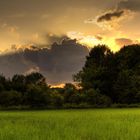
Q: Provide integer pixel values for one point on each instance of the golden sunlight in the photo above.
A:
(90, 41)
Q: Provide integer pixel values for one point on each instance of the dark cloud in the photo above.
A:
(58, 63)
(125, 41)
(110, 15)
(121, 7)
(133, 5)
(14, 63)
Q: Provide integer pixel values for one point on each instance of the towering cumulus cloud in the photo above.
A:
(58, 63)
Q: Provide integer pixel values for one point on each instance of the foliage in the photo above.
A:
(107, 78)
(116, 75)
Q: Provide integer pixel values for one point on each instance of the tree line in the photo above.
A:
(105, 80)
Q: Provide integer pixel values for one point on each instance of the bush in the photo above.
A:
(10, 98)
(93, 97)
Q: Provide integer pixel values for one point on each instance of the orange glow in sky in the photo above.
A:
(91, 41)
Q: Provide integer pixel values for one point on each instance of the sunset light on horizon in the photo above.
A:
(54, 37)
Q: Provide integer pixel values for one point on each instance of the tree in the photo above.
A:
(68, 91)
(19, 83)
(97, 72)
(36, 96)
(10, 98)
(114, 75)
(127, 87)
(3, 83)
(93, 97)
(35, 78)
(57, 99)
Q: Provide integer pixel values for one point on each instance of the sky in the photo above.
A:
(24, 23)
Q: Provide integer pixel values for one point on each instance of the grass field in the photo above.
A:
(98, 124)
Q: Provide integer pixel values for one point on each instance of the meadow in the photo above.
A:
(92, 124)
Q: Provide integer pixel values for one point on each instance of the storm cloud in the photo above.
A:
(58, 63)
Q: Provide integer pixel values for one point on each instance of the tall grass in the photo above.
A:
(98, 124)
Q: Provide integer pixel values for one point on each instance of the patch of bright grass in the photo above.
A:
(96, 124)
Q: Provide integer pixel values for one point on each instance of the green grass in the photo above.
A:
(96, 124)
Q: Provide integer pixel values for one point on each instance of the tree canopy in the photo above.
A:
(106, 79)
